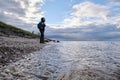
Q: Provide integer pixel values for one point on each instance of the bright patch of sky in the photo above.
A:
(56, 10)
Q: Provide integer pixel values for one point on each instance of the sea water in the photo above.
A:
(70, 60)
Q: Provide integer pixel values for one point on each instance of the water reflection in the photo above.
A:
(68, 61)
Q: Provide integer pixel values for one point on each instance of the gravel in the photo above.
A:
(14, 48)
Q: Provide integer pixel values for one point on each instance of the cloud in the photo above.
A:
(89, 33)
(88, 21)
(89, 9)
(21, 13)
(87, 13)
(114, 2)
(31, 9)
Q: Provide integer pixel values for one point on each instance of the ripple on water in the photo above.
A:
(74, 60)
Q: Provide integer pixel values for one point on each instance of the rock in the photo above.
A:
(19, 75)
(58, 41)
(7, 71)
(3, 74)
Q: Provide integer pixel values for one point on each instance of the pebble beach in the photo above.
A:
(14, 48)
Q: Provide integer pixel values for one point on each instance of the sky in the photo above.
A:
(66, 19)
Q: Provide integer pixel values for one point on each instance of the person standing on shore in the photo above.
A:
(41, 26)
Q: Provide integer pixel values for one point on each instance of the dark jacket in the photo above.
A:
(41, 26)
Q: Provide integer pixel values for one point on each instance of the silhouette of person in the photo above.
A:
(41, 26)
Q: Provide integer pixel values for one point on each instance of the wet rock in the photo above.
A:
(56, 41)
(5, 76)
(2, 74)
(42, 77)
(7, 71)
(18, 75)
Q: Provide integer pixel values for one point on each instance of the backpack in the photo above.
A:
(40, 26)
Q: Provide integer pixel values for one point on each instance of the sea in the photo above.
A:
(70, 60)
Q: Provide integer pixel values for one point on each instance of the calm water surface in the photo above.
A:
(68, 60)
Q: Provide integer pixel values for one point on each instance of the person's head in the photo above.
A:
(42, 19)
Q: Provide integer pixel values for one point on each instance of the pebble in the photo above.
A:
(13, 47)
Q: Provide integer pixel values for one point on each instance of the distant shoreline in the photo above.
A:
(14, 48)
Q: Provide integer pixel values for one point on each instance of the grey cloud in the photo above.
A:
(114, 2)
(12, 7)
(108, 32)
(15, 21)
(13, 13)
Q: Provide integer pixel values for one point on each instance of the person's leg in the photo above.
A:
(42, 36)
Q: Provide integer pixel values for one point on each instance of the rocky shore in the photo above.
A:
(14, 48)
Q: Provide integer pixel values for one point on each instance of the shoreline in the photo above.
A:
(81, 61)
(14, 48)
